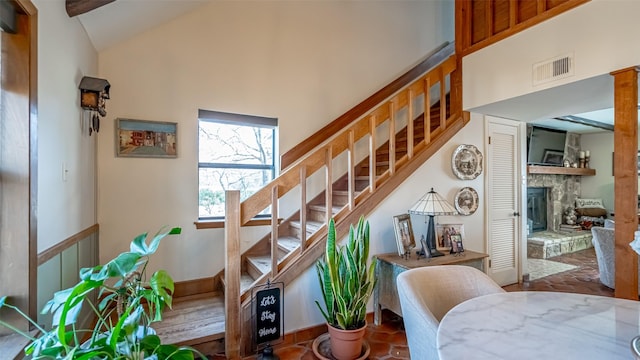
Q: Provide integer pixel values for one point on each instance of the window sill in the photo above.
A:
(219, 224)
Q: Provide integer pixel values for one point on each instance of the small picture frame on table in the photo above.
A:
(404, 234)
(456, 244)
(443, 235)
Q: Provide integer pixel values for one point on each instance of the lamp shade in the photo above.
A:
(432, 204)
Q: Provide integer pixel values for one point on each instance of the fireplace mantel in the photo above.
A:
(559, 170)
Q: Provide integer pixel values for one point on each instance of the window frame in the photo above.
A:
(225, 118)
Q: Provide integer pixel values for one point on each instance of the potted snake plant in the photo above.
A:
(347, 284)
(128, 304)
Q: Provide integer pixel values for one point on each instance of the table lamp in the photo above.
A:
(432, 204)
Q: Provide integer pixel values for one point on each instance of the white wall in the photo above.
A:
(592, 32)
(601, 185)
(304, 63)
(436, 173)
(65, 54)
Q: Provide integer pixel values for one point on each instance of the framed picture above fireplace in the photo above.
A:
(553, 157)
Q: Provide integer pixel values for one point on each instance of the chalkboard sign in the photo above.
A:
(268, 314)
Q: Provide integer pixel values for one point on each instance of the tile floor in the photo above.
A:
(388, 340)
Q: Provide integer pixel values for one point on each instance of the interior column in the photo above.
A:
(626, 180)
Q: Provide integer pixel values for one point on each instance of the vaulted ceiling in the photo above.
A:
(108, 22)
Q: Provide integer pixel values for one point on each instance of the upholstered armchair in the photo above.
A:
(604, 243)
(428, 293)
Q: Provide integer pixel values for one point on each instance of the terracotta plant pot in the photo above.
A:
(346, 344)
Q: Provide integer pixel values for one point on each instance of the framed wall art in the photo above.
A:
(553, 157)
(404, 234)
(444, 233)
(142, 138)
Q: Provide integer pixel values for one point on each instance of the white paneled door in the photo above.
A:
(503, 199)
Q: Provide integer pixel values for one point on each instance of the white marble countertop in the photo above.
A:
(539, 325)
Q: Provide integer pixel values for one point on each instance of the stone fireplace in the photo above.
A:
(551, 195)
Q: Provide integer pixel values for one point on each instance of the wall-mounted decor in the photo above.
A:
(404, 234)
(466, 162)
(142, 138)
(93, 95)
(466, 201)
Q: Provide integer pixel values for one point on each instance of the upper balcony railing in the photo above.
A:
(480, 23)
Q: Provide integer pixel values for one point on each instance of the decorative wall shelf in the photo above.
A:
(558, 170)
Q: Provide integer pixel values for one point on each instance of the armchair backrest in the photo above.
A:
(428, 293)
(604, 244)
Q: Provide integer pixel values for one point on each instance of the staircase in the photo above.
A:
(346, 176)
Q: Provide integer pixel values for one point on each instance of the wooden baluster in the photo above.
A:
(274, 231)
(351, 187)
(513, 13)
(410, 125)
(427, 110)
(392, 138)
(443, 98)
(329, 184)
(372, 153)
(232, 306)
(542, 6)
(303, 207)
(488, 17)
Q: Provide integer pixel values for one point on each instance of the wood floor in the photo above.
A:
(388, 341)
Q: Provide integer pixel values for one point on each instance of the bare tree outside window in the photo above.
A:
(233, 155)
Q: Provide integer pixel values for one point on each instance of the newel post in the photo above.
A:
(232, 305)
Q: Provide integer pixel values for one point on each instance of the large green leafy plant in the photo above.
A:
(128, 305)
(345, 279)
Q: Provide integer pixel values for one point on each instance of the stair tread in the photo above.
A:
(193, 321)
(321, 207)
(261, 262)
(289, 243)
(311, 225)
(245, 282)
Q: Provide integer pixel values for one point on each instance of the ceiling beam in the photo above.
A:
(78, 7)
(584, 121)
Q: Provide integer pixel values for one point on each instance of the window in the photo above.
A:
(236, 152)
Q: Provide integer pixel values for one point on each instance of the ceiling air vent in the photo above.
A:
(549, 70)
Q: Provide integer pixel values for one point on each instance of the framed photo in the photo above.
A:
(613, 165)
(142, 138)
(553, 157)
(404, 233)
(456, 244)
(444, 233)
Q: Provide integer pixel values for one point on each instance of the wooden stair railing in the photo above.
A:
(436, 57)
(348, 175)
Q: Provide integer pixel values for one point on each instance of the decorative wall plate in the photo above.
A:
(466, 162)
(466, 201)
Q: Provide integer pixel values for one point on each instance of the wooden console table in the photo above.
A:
(388, 266)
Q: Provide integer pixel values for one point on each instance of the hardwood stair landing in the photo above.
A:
(193, 320)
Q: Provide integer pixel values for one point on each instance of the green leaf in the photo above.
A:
(123, 264)
(139, 245)
(149, 343)
(162, 285)
(174, 352)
